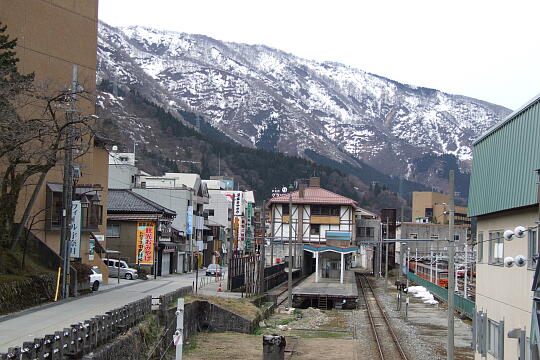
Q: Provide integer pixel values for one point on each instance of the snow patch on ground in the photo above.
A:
(423, 294)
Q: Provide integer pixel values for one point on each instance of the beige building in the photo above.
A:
(52, 36)
(504, 195)
(433, 207)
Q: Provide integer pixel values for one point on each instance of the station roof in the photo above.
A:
(315, 196)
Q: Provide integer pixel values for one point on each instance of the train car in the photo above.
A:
(424, 270)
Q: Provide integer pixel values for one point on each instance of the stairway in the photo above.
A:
(323, 303)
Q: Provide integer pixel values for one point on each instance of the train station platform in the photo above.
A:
(327, 293)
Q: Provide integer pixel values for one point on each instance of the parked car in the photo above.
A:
(124, 270)
(213, 269)
(96, 278)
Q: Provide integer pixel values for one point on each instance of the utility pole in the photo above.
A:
(379, 253)
(263, 247)
(289, 285)
(407, 271)
(386, 259)
(179, 334)
(67, 188)
(450, 350)
(272, 236)
(466, 273)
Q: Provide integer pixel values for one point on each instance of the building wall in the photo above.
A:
(120, 176)
(427, 231)
(173, 199)
(126, 243)
(52, 36)
(280, 224)
(426, 199)
(221, 206)
(505, 293)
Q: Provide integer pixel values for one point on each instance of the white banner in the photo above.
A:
(75, 240)
(238, 204)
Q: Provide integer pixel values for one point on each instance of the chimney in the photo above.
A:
(301, 189)
(314, 182)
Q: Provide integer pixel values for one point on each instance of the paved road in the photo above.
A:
(13, 332)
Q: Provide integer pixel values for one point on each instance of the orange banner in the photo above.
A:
(145, 242)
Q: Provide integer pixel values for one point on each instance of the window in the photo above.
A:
(413, 236)
(315, 229)
(210, 212)
(325, 210)
(91, 209)
(361, 231)
(434, 236)
(533, 248)
(285, 209)
(495, 338)
(428, 212)
(366, 231)
(456, 237)
(480, 247)
(370, 232)
(113, 230)
(496, 248)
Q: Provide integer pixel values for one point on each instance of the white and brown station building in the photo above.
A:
(323, 229)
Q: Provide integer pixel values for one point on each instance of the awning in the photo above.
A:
(167, 246)
(79, 190)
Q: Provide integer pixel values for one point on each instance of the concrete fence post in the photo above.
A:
(274, 347)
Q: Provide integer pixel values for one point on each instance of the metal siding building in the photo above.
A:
(504, 162)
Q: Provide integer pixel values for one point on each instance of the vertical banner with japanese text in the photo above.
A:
(75, 239)
(145, 242)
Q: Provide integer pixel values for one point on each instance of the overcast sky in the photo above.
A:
(489, 50)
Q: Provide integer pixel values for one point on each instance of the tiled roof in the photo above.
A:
(315, 195)
(126, 201)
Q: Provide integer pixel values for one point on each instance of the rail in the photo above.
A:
(360, 278)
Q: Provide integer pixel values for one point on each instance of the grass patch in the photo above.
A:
(325, 334)
(242, 307)
(285, 321)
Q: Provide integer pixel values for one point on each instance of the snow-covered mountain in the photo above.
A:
(266, 98)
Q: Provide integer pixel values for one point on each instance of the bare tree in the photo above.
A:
(33, 131)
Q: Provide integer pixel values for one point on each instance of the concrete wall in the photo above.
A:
(372, 223)
(429, 231)
(120, 176)
(173, 199)
(221, 206)
(505, 293)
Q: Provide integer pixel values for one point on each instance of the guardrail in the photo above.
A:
(464, 306)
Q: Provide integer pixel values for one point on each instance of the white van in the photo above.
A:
(124, 270)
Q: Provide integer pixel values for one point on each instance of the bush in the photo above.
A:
(83, 271)
(143, 273)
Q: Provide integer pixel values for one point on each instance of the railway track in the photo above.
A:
(388, 347)
(282, 297)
